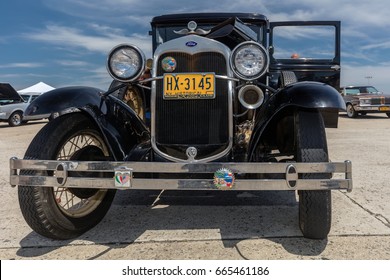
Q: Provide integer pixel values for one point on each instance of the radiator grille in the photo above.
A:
(195, 121)
(382, 100)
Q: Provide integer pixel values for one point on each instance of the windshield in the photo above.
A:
(361, 90)
(372, 90)
(25, 97)
(304, 42)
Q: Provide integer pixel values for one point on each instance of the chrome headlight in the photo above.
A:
(125, 63)
(249, 60)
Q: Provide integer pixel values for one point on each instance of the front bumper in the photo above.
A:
(180, 176)
(373, 108)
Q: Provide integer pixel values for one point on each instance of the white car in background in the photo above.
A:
(13, 105)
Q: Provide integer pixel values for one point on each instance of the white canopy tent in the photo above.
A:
(40, 87)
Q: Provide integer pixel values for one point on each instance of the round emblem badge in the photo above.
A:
(224, 179)
(191, 44)
(191, 153)
(168, 64)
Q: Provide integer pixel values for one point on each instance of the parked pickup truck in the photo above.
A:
(13, 105)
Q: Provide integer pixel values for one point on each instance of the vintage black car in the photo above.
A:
(222, 105)
(365, 99)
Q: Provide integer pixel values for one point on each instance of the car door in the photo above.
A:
(311, 49)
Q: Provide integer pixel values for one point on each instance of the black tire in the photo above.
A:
(315, 207)
(286, 78)
(388, 114)
(351, 113)
(15, 119)
(62, 213)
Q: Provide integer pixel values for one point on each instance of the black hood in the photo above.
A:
(7, 92)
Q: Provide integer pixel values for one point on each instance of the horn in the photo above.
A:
(251, 96)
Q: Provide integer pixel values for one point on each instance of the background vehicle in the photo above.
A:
(365, 99)
(13, 105)
(218, 107)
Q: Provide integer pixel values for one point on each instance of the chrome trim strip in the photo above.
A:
(173, 167)
(183, 184)
(204, 45)
(371, 108)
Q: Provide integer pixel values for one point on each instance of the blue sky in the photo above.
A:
(66, 42)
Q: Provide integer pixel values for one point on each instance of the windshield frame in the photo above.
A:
(161, 24)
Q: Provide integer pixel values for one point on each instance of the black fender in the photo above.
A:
(309, 95)
(302, 95)
(119, 124)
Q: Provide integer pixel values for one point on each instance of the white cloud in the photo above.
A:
(22, 65)
(77, 38)
(383, 45)
(73, 37)
(101, 24)
(74, 63)
(356, 75)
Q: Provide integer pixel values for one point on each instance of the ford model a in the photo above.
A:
(222, 105)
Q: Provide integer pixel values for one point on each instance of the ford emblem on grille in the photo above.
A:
(191, 44)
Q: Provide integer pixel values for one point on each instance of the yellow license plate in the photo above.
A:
(189, 86)
(384, 108)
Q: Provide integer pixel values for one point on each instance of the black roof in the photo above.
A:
(207, 17)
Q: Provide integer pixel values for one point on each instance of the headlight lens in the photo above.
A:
(365, 101)
(249, 60)
(125, 63)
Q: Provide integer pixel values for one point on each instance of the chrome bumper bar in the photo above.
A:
(373, 108)
(179, 176)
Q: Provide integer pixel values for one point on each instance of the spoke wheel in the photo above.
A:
(15, 119)
(132, 96)
(64, 213)
(80, 202)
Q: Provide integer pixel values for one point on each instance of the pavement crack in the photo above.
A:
(4, 180)
(385, 221)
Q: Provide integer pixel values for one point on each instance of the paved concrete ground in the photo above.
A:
(221, 225)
